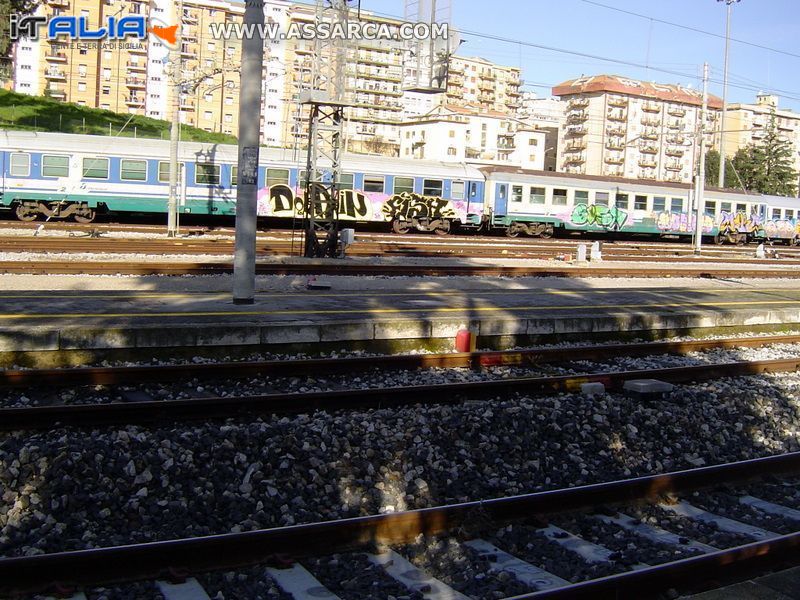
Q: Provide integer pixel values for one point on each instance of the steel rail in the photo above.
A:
(156, 411)
(394, 270)
(15, 378)
(150, 560)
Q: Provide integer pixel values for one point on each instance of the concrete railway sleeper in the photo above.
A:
(497, 541)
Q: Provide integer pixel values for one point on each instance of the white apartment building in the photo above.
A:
(458, 134)
(620, 127)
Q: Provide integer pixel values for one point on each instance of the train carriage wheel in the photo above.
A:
(24, 213)
(85, 217)
(443, 229)
(546, 233)
(512, 231)
(401, 226)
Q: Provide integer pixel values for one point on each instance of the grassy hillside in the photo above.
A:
(37, 113)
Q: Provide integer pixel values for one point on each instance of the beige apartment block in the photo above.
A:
(746, 124)
(481, 84)
(620, 127)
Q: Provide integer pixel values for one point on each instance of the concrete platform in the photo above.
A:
(784, 585)
(377, 316)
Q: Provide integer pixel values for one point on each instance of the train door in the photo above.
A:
(501, 200)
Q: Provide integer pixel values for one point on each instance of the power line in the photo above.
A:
(690, 28)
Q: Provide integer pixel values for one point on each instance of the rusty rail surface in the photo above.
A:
(14, 378)
(90, 415)
(102, 566)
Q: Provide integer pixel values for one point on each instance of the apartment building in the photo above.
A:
(459, 134)
(746, 124)
(545, 114)
(622, 127)
(483, 85)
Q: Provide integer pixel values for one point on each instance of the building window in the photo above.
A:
(81, 86)
(404, 185)
(559, 197)
(107, 74)
(537, 195)
(83, 51)
(95, 168)
(432, 187)
(659, 203)
(207, 114)
(277, 177)
(374, 183)
(457, 190)
(208, 98)
(20, 164)
(452, 133)
(206, 174)
(451, 151)
(106, 90)
(82, 70)
(55, 166)
(228, 118)
(228, 100)
(133, 170)
(640, 203)
(533, 142)
(346, 181)
(676, 205)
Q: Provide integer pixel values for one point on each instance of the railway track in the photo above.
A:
(143, 408)
(500, 536)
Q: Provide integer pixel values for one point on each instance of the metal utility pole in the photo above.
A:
(326, 99)
(244, 260)
(721, 182)
(700, 181)
(176, 65)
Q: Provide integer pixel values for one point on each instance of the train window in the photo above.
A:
(20, 164)
(581, 197)
(537, 195)
(725, 207)
(95, 168)
(559, 197)
(473, 189)
(207, 174)
(622, 201)
(432, 187)
(374, 183)
(789, 214)
(741, 208)
(302, 177)
(403, 185)
(133, 170)
(346, 181)
(640, 202)
(676, 205)
(516, 193)
(601, 198)
(457, 190)
(234, 175)
(163, 171)
(281, 177)
(776, 213)
(659, 203)
(711, 207)
(55, 166)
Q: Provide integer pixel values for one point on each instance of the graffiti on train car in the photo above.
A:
(682, 222)
(599, 215)
(283, 202)
(782, 228)
(739, 222)
(411, 205)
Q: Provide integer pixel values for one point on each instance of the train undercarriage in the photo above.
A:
(425, 224)
(30, 210)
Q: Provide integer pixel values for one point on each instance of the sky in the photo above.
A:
(584, 26)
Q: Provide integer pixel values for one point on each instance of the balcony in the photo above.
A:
(757, 134)
(573, 130)
(617, 115)
(676, 111)
(650, 134)
(577, 103)
(455, 92)
(187, 104)
(513, 93)
(55, 75)
(615, 160)
(673, 177)
(189, 53)
(452, 68)
(649, 174)
(673, 166)
(674, 151)
(650, 122)
(614, 172)
(617, 101)
(648, 149)
(575, 146)
(651, 107)
(618, 131)
(58, 94)
(675, 125)
(575, 159)
(136, 83)
(486, 87)
(134, 101)
(488, 76)
(189, 17)
(612, 144)
(513, 104)
(648, 163)
(137, 67)
(486, 98)
(577, 117)
(59, 3)
(56, 57)
(137, 49)
(676, 139)
(455, 79)
(506, 145)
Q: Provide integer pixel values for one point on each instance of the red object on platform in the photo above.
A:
(465, 341)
